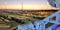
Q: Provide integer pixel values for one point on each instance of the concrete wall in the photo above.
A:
(57, 3)
(52, 3)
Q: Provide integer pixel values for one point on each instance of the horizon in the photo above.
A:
(27, 4)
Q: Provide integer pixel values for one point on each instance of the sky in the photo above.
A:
(27, 4)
